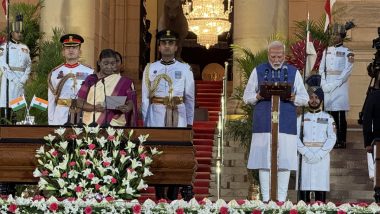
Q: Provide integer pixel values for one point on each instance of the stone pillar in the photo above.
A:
(72, 17)
(254, 22)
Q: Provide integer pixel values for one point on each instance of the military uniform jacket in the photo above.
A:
(17, 71)
(335, 81)
(73, 75)
(318, 140)
(183, 86)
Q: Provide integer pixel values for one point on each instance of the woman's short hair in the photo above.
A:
(106, 53)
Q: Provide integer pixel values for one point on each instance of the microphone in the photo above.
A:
(106, 124)
(285, 68)
(266, 75)
(94, 123)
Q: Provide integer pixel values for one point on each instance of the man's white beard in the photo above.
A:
(278, 66)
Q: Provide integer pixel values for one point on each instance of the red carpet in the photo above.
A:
(207, 96)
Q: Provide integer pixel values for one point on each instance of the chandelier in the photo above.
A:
(207, 19)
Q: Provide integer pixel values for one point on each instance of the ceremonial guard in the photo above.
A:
(318, 139)
(168, 93)
(19, 67)
(276, 70)
(335, 69)
(66, 79)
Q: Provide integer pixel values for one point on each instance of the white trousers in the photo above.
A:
(282, 184)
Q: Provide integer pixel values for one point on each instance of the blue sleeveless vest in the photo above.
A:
(262, 111)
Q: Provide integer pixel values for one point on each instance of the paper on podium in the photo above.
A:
(115, 101)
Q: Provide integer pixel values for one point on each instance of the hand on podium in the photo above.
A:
(125, 108)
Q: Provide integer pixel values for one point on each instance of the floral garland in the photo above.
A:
(93, 163)
(41, 205)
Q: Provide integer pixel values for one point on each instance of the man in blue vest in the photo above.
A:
(275, 70)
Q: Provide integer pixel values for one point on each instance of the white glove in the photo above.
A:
(311, 158)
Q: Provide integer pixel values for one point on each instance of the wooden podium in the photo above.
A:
(176, 165)
(274, 91)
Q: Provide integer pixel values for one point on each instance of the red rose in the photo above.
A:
(106, 163)
(202, 203)
(142, 156)
(97, 186)
(38, 197)
(223, 210)
(162, 201)
(45, 173)
(109, 198)
(91, 146)
(88, 210)
(78, 189)
(341, 212)
(113, 180)
(55, 153)
(180, 211)
(136, 209)
(280, 203)
(90, 176)
(64, 175)
(88, 163)
(256, 212)
(53, 207)
(363, 204)
(82, 152)
(71, 199)
(12, 208)
(293, 211)
(240, 202)
(111, 138)
(122, 153)
(72, 163)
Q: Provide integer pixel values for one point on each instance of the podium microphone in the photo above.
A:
(106, 124)
(285, 68)
(94, 123)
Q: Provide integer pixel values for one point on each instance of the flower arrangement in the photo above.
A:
(41, 205)
(93, 163)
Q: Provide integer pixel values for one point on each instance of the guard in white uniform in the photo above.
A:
(318, 139)
(335, 69)
(19, 67)
(65, 80)
(168, 94)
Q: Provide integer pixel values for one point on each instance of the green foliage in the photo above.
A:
(316, 30)
(31, 33)
(50, 57)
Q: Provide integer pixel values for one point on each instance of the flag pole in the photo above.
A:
(6, 111)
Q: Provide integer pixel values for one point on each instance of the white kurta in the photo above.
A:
(259, 156)
(319, 129)
(183, 86)
(335, 82)
(58, 114)
(17, 71)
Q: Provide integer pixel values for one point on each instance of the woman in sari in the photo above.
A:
(99, 91)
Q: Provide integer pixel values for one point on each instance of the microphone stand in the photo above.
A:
(94, 123)
(105, 124)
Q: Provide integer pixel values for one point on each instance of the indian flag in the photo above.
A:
(39, 103)
(18, 103)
